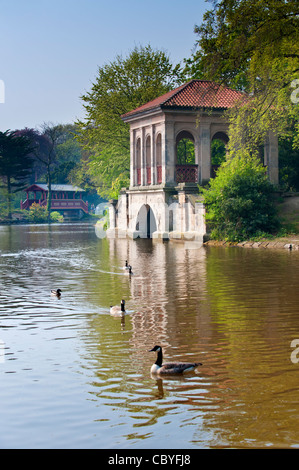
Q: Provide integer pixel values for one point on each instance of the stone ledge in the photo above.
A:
(274, 244)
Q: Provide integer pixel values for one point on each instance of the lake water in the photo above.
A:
(72, 376)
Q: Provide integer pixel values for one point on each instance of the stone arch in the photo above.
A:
(186, 169)
(220, 135)
(219, 143)
(145, 222)
(187, 149)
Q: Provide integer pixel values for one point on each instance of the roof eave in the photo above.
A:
(142, 113)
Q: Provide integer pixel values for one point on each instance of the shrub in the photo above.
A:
(38, 213)
(56, 216)
(240, 200)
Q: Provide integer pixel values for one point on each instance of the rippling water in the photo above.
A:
(72, 376)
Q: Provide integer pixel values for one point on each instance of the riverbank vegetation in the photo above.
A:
(49, 154)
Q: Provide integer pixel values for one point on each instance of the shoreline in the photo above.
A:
(286, 243)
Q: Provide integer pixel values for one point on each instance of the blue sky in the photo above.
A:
(51, 49)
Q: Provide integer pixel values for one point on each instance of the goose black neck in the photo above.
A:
(122, 307)
(159, 358)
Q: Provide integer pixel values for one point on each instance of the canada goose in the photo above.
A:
(126, 266)
(57, 292)
(170, 367)
(118, 311)
(129, 270)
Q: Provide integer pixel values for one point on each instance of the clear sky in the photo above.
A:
(50, 50)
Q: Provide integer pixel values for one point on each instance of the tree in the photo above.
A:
(120, 86)
(240, 201)
(252, 45)
(52, 134)
(56, 152)
(15, 163)
(239, 39)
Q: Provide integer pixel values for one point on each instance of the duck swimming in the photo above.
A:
(170, 367)
(118, 310)
(57, 292)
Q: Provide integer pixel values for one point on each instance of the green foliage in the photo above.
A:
(288, 165)
(252, 45)
(238, 41)
(37, 213)
(239, 200)
(15, 163)
(218, 152)
(185, 152)
(56, 216)
(120, 86)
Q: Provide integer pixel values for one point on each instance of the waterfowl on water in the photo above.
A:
(170, 367)
(57, 292)
(129, 270)
(126, 266)
(118, 310)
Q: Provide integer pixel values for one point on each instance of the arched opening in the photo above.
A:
(148, 160)
(186, 170)
(218, 151)
(146, 222)
(159, 158)
(138, 162)
(185, 153)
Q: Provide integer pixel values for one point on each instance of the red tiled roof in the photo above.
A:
(193, 94)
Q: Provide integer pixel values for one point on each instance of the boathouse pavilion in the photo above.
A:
(163, 199)
(66, 199)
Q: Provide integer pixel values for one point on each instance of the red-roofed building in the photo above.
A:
(199, 94)
(193, 112)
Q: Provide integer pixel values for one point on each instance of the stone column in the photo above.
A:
(153, 156)
(133, 175)
(163, 153)
(271, 157)
(143, 159)
(169, 163)
(205, 152)
(197, 156)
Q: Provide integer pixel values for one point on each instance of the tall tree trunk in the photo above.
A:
(9, 198)
(49, 199)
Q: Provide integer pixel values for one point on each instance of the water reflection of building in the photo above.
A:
(165, 286)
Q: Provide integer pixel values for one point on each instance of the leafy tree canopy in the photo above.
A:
(15, 163)
(252, 45)
(120, 86)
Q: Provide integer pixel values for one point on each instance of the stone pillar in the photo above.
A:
(133, 175)
(271, 157)
(205, 152)
(197, 156)
(112, 213)
(153, 156)
(143, 162)
(163, 154)
(169, 154)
